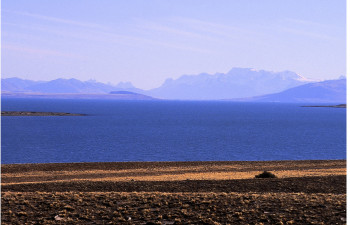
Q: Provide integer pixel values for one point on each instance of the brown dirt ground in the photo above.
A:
(305, 192)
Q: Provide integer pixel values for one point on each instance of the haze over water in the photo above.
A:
(170, 131)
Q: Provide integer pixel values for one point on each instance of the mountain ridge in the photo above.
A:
(238, 83)
(328, 91)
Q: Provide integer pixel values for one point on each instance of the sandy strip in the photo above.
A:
(91, 176)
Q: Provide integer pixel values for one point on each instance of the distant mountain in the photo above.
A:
(128, 86)
(123, 93)
(118, 96)
(237, 83)
(125, 85)
(16, 84)
(329, 91)
(70, 86)
(63, 86)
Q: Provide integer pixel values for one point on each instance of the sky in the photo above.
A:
(147, 41)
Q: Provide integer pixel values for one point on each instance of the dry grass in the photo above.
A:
(186, 171)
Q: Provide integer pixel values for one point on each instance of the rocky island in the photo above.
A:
(331, 106)
(24, 113)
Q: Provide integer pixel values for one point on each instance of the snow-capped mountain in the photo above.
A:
(237, 83)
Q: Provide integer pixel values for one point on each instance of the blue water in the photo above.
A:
(170, 131)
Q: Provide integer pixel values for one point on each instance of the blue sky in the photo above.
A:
(146, 42)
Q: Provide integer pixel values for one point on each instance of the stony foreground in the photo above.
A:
(174, 208)
(130, 193)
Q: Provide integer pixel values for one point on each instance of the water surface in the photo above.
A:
(170, 131)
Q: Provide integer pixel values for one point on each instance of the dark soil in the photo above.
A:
(176, 208)
(34, 199)
(327, 184)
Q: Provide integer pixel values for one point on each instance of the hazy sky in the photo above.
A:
(147, 41)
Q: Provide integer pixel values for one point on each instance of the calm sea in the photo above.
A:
(170, 131)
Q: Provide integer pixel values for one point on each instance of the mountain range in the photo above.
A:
(320, 92)
(238, 84)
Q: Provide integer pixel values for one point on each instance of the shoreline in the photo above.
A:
(119, 164)
(182, 162)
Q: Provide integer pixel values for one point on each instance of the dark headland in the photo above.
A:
(330, 106)
(25, 113)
